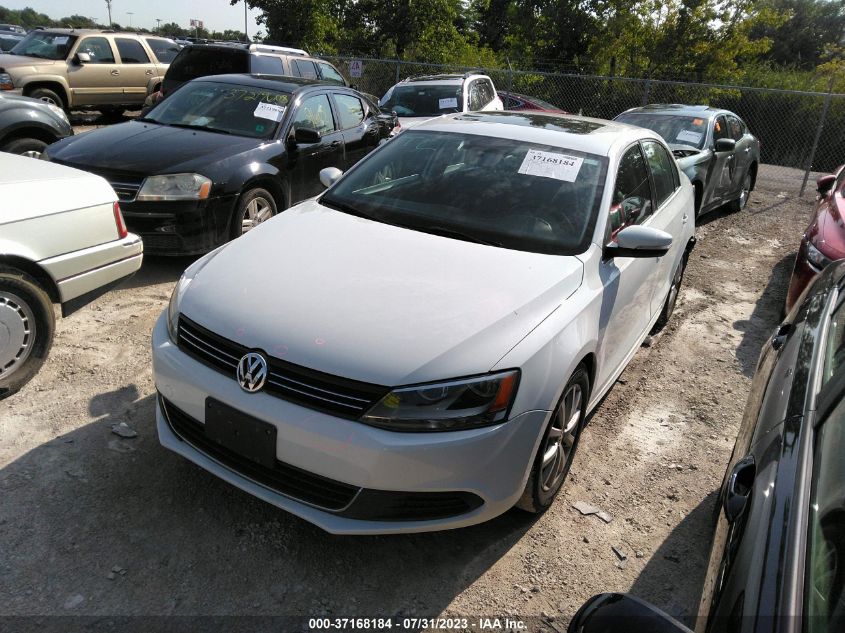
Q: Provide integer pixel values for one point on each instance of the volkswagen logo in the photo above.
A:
(252, 372)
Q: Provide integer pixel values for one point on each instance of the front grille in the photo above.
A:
(307, 387)
(159, 241)
(283, 478)
(126, 191)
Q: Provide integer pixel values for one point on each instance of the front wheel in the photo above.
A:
(744, 193)
(557, 448)
(31, 147)
(27, 324)
(672, 296)
(254, 207)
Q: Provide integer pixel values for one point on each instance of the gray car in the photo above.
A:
(713, 147)
(27, 125)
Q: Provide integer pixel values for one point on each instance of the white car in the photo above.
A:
(419, 99)
(62, 240)
(419, 351)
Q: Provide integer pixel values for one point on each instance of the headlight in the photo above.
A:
(175, 187)
(816, 257)
(173, 307)
(6, 82)
(447, 406)
(58, 112)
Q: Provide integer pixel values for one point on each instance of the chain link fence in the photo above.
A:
(802, 134)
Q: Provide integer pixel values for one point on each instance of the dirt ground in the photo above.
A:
(96, 525)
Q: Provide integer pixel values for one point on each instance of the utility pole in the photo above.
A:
(158, 25)
(246, 31)
(108, 4)
(130, 14)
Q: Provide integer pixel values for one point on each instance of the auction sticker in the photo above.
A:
(269, 111)
(551, 165)
(689, 136)
(451, 102)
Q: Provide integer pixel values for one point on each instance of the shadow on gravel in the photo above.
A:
(766, 315)
(96, 524)
(158, 270)
(684, 554)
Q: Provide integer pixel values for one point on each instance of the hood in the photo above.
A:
(411, 121)
(687, 155)
(374, 302)
(18, 62)
(149, 148)
(55, 187)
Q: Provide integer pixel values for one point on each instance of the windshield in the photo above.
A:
(508, 193)
(44, 45)
(423, 99)
(675, 129)
(223, 108)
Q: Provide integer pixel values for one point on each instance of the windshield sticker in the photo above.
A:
(269, 111)
(60, 40)
(550, 165)
(689, 136)
(451, 102)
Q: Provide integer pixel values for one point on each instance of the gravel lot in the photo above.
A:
(93, 524)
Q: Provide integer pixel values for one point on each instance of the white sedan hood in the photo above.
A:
(374, 302)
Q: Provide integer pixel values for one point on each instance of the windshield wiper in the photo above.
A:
(146, 119)
(204, 128)
(447, 232)
(345, 208)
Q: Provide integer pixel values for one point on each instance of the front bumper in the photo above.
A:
(491, 463)
(190, 227)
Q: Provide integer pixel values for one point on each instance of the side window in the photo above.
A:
(489, 92)
(267, 65)
(315, 113)
(329, 73)
(98, 49)
(306, 68)
(476, 99)
(631, 202)
(350, 110)
(735, 127)
(164, 50)
(662, 170)
(131, 51)
(720, 128)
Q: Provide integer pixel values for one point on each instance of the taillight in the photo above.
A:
(118, 220)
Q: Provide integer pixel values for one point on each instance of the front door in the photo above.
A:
(306, 160)
(96, 81)
(723, 167)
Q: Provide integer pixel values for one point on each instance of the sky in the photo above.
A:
(217, 15)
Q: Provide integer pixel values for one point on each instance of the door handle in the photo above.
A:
(150, 72)
(115, 72)
(747, 149)
(740, 484)
(335, 144)
(685, 218)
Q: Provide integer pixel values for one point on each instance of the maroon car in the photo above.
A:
(516, 101)
(824, 239)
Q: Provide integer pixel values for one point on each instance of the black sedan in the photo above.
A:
(713, 147)
(777, 564)
(224, 153)
(27, 125)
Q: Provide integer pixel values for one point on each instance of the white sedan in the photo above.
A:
(418, 348)
(62, 240)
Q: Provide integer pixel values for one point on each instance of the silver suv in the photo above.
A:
(86, 68)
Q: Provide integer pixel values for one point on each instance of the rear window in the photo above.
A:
(267, 65)
(164, 50)
(199, 61)
(131, 51)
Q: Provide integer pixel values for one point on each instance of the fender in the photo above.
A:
(39, 125)
(245, 174)
(38, 77)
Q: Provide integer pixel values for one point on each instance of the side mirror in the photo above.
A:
(639, 241)
(825, 183)
(329, 176)
(725, 145)
(82, 58)
(621, 613)
(306, 135)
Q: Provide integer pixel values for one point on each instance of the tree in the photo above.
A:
(801, 40)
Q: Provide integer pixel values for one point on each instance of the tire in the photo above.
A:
(27, 324)
(31, 147)
(45, 94)
(254, 207)
(740, 203)
(671, 296)
(547, 476)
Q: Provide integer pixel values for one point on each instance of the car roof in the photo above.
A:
(681, 109)
(595, 136)
(271, 82)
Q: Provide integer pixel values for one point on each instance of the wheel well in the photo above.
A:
(30, 132)
(753, 170)
(270, 184)
(589, 361)
(36, 272)
(57, 88)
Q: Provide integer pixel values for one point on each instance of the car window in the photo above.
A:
(675, 129)
(98, 49)
(423, 99)
(735, 128)
(720, 128)
(306, 68)
(329, 73)
(131, 51)
(315, 113)
(520, 195)
(487, 89)
(825, 585)
(199, 61)
(631, 201)
(476, 96)
(267, 65)
(350, 110)
(513, 103)
(662, 168)
(45, 45)
(164, 50)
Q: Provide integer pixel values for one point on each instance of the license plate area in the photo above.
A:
(243, 434)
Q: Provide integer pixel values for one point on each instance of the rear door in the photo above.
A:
(359, 126)
(305, 160)
(136, 68)
(98, 80)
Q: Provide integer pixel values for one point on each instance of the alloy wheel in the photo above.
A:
(258, 210)
(560, 441)
(746, 191)
(31, 154)
(17, 332)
